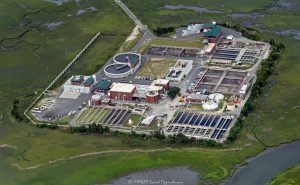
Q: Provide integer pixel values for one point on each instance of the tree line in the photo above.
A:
(179, 139)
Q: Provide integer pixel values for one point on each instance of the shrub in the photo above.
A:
(173, 92)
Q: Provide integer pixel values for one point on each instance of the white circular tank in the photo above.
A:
(230, 106)
(210, 105)
(216, 97)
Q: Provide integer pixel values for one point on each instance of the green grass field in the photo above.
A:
(134, 118)
(101, 114)
(156, 68)
(288, 177)
(94, 169)
(93, 115)
(192, 42)
(83, 116)
(152, 126)
(22, 72)
(32, 61)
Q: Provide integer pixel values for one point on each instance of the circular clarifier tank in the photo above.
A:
(125, 58)
(117, 70)
(210, 105)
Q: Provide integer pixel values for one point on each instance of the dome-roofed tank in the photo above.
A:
(210, 105)
(218, 97)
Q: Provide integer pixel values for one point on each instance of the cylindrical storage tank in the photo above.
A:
(230, 106)
(117, 70)
(218, 97)
(125, 58)
(96, 100)
(210, 105)
(152, 97)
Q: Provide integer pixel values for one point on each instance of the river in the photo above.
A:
(161, 176)
(259, 170)
(263, 167)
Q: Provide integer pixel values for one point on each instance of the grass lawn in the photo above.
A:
(91, 116)
(152, 126)
(156, 68)
(129, 106)
(288, 177)
(85, 114)
(135, 119)
(192, 42)
(103, 115)
(65, 120)
(196, 107)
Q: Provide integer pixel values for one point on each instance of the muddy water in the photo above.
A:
(262, 168)
(53, 25)
(60, 2)
(194, 8)
(253, 15)
(161, 176)
(198, 9)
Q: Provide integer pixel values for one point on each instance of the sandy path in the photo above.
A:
(116, 151)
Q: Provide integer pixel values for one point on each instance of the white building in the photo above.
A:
(181, 69)
(79, 84)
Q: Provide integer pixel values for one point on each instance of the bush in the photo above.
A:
(173, 92)
(44, 125)
(163, 31)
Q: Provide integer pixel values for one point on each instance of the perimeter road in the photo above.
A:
(133, 17)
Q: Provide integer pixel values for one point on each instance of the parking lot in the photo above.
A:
(62, 107)
(200, 125)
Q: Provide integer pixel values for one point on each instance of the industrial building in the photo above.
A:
(123, 65)
(102, 86)
(152, 97)
(148, 93)
(79, 84)
(129, 92)
(192, 29)
(96, 100)
(163, 83)
(212, 32)
(181, 69)
(122, 91)
(196, 98)
(208, 49)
